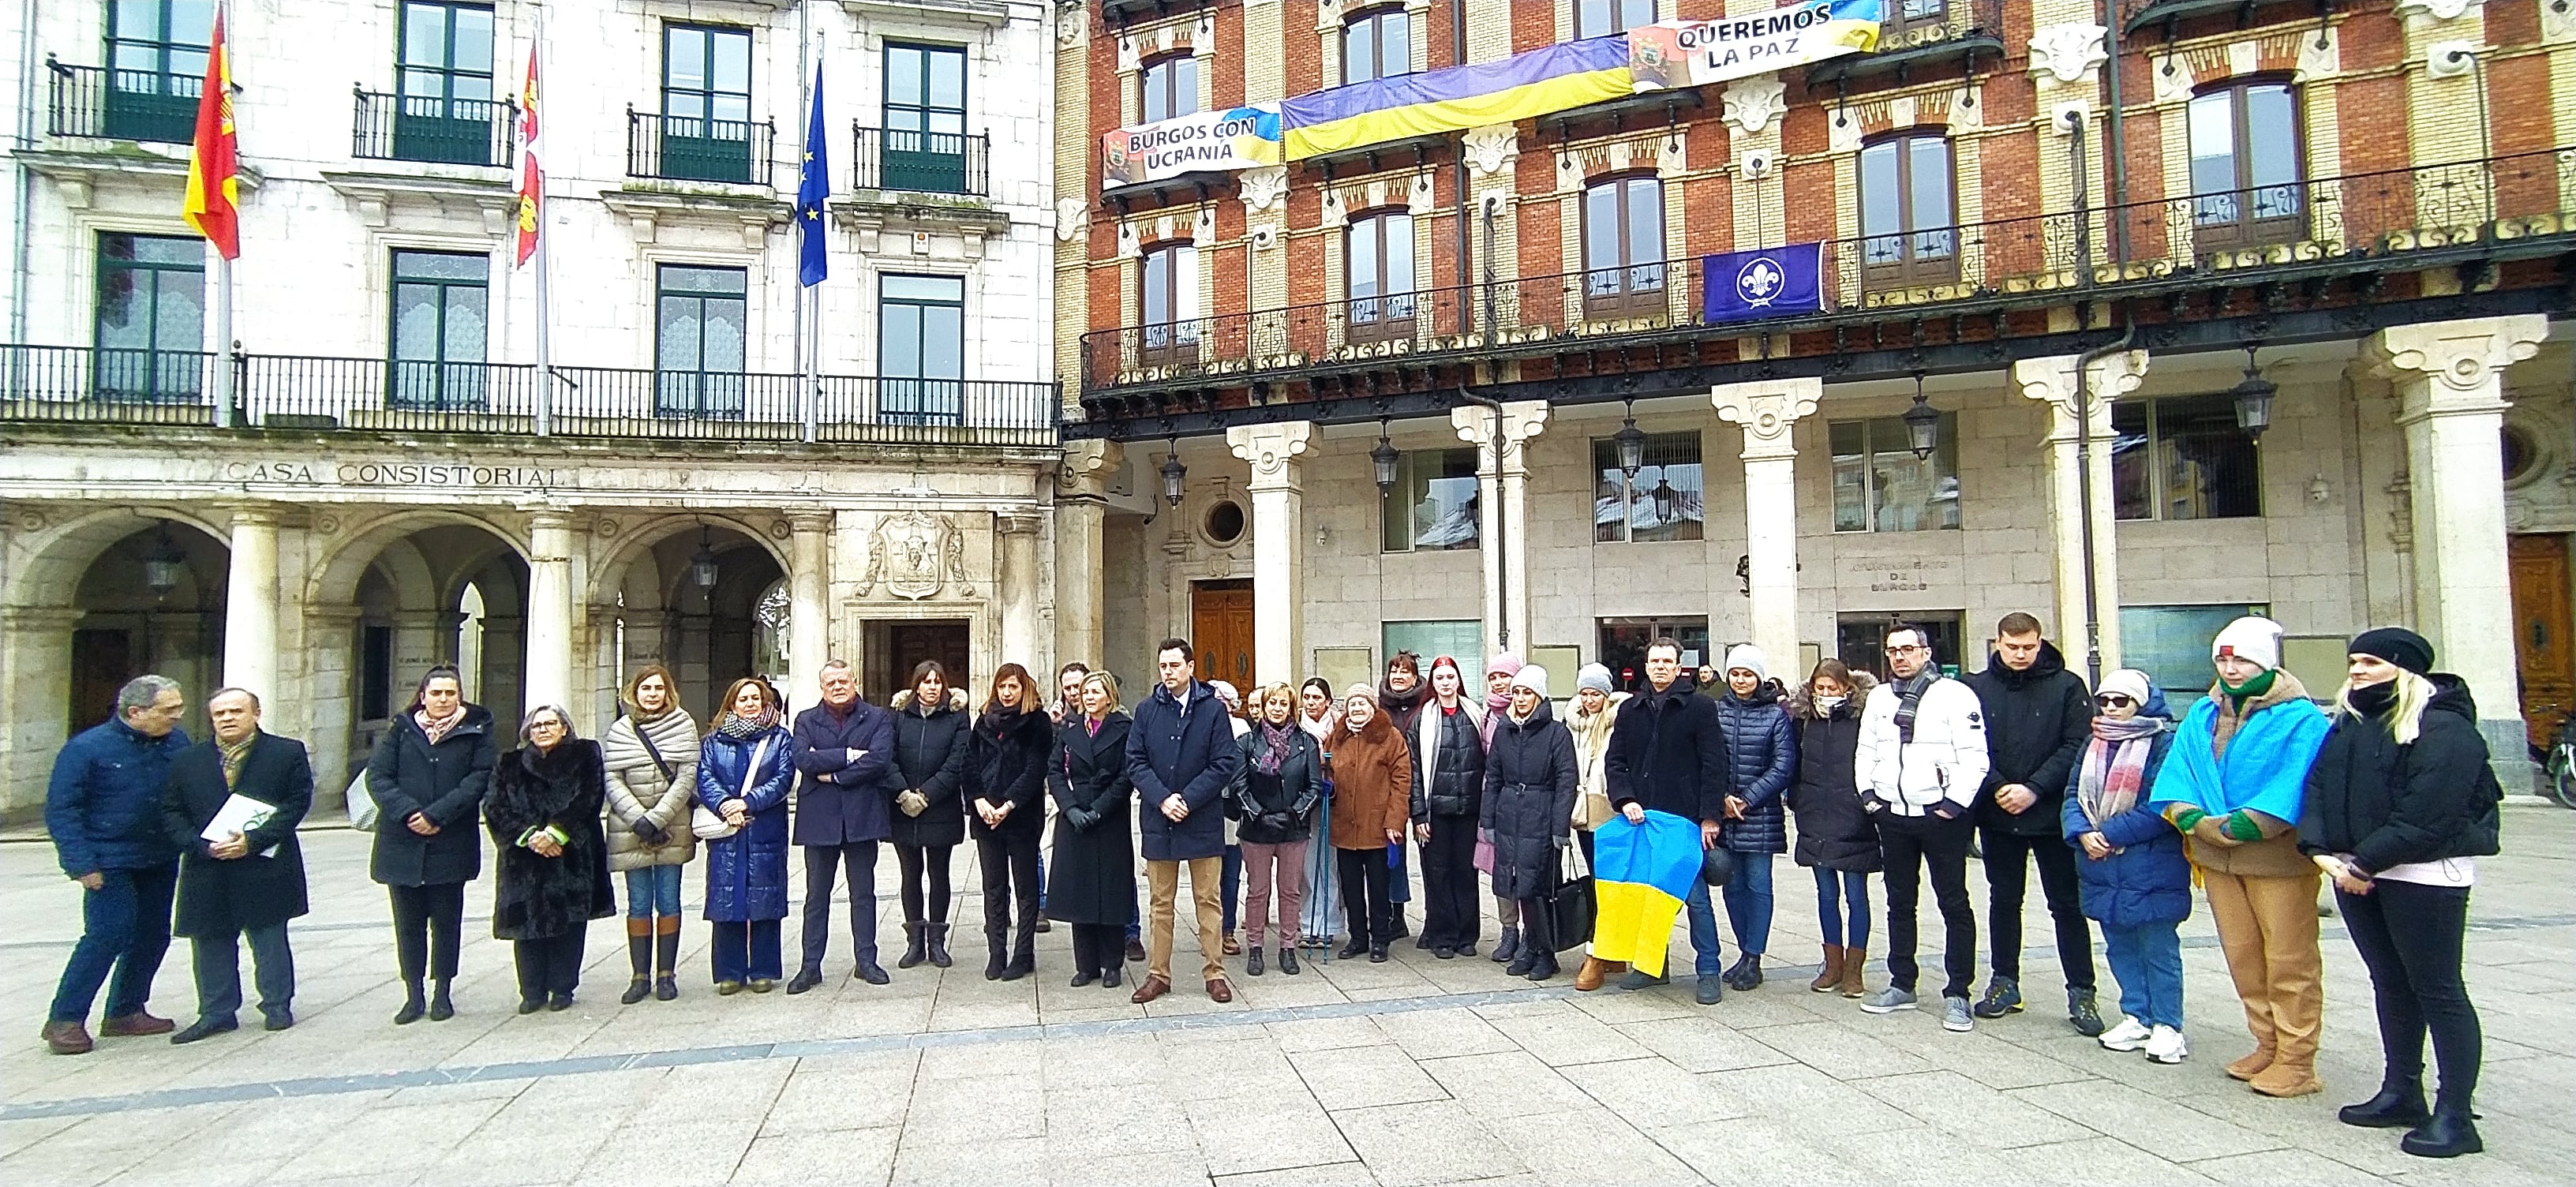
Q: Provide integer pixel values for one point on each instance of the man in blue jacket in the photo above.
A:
(1181, 756)
(1668, 754)
(103, 807)
(845, 753)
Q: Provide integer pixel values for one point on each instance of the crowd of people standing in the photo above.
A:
(1319, 803)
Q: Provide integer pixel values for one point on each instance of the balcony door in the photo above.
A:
(706, 103)
(925, 119)
(1623, 248)
(150, 325)
(2245, 166)
(440, 332)
(921, 328)
(156, 67)
(1378, 262)
(1908, 213)
(443, 109)
(699, 341)
(1169, 302)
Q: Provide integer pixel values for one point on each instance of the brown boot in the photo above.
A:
(137, 1023)
(1595, 971)
(2252, 1065)
(1855, 962)
(67, 1038)
(2287, 1078)
(1829, 975)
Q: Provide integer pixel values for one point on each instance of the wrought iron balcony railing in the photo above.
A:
(139, 105)
(82, 384)
(433, 129)
(2314, 225)
(921, 162)
(1920, 35)
(688, 148)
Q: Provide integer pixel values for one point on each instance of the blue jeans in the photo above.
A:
(1399, 876)
(1845, 924)
(125, 929)
(651, 891)
(1135, 918)
(1230, 884)
(1748, 902)
(2147, 961)
(1703, 931)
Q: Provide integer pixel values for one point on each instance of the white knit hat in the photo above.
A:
(1749, 658)
(1533, 678)
(2127, 682)
(2253, 639)
(1594, 676)
(1225, 692)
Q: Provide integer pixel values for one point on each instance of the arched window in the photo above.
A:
(1377, 43)
(1377, 267)
(1167, 303)
(1623, 247)
(2246, 151)
(1171, 87)
(1908, 211)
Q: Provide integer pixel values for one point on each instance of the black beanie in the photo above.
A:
(2397, 645)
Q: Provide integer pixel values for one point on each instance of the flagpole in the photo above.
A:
(223, 270)
(808, 331)
(545, 357)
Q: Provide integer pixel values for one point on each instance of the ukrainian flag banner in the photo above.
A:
(1641, 873)
(1551, 78)
(1696, 53)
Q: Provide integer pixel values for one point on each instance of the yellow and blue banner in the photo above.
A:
(1551, 78)
(1201, 142)
(1641, 875)
(1696, 53)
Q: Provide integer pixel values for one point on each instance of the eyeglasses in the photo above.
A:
(2113, 700)
(1906, 649)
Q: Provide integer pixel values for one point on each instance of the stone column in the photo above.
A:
(2449, 379)
(1767, 410)
(1081, 504)
(2051, 380)
(1278, 532)
(808, 577)
(1502, 520)
(250, 604)
(549, 622)
(35, 679)
(1015, 584)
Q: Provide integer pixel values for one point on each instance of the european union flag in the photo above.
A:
(1774, 282)
(813, 187)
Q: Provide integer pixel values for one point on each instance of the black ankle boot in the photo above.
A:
(914, 945)
(1000, 946)
(2451, 1131)
(413, 1006)
(441, 1007)
(1746, 974)
(935, 944)
(2400, 1103)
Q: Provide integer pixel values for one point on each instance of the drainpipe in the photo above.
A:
(2084, 406)
(2116, 144)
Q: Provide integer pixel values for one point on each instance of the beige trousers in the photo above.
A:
(2268, 927)
(1163, 885)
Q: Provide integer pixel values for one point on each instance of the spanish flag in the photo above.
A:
(1641, 874)
(1551, 78)
(213, 202)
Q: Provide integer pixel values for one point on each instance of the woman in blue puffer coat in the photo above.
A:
(1762, 760)
(2137, 883)
(745, 767)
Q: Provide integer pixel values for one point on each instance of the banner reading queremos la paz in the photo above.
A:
(1695, 53)
(1201, 142)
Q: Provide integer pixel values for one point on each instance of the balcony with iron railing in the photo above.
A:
(1918, 37)
(691, 148)
(2168, 15)
(139, 105)
(919, 162)
(433, 129)
(2521, 203)
(98, 385)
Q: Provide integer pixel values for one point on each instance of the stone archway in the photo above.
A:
(646, 606)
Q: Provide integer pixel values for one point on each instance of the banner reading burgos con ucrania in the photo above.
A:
(1695, 53)
(1202, 142)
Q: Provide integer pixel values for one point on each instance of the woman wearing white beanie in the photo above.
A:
(1528, 810)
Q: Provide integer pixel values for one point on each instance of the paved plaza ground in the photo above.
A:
(1417, 1071)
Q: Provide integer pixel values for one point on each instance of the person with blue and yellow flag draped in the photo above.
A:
(2234, 782)
(1666, 756)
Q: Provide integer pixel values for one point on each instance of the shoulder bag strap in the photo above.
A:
(751, 770)
(646, 737)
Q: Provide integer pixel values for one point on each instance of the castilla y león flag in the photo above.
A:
(532, 178)
(213, 202)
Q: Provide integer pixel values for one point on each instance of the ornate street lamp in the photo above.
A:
(1630, 442)
(1383, 459)
(1174, 473)
(1922, 423)
(2254, 399)
(161, 565)
(702, 563)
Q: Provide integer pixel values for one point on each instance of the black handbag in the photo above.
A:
(1572, 907)
(1716, 865)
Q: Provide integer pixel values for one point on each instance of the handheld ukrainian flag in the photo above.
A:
(1641, 874)
(212, 203)
(813, 187)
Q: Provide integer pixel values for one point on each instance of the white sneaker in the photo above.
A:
(2129, 1035)
(2165, 1045)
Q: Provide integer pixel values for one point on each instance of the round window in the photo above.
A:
(1224, 523)
(2521, 453)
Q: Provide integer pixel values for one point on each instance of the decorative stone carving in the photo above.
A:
(1264, 236)
(2557, 21)
(2437, 10)
(2450, 59)
(1767, 409)
(1069, 212)
(2318, 56)
(1273, 450)
(1752, 103)
(1072, 25)
(1492, 147)
(1261, 188)
(914, 555)
(2070, 53)
(2051, 380)
(1417, 196)
(1088, 467)
(2454, 361)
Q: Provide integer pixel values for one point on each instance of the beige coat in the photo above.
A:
(637, 788)
(1592, 776)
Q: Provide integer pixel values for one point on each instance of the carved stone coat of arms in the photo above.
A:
(914, 555)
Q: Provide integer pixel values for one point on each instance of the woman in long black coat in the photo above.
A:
(1006, 776)
(930, 751)
(428, 777)
(1092, 884)
(552, 868)
(1529, 812)
(1835, 836)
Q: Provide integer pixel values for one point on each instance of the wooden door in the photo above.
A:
(1221, 630)
(102, 661)
(2543, 650)
(909, 643)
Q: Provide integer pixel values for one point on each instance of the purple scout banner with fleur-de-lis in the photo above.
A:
(1770, 282)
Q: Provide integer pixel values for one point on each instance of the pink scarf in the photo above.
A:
(2115, 765)
(437, 729)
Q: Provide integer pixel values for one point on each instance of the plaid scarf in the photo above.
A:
(741, 728)
(2115, 766)
(233, 755)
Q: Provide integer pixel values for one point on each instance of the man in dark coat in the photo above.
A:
(248, 882)
(1667, 754)
(1181, 756)
(845, 753)
(2038, 718)
(103, 810)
